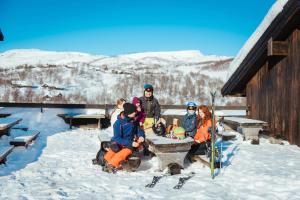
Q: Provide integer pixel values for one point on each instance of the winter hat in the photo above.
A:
(135, 101)
(129, 109)
(148, 87)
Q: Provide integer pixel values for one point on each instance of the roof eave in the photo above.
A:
(236, 84)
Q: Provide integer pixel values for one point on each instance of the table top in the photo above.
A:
(244, 120)
(158, 140)
(86, 116)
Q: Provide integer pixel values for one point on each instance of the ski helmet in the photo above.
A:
(191, 105)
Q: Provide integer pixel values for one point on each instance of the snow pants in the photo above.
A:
(116, 158)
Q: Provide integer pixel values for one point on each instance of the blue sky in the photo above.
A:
(112, 27)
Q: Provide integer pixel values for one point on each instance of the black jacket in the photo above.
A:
(151, 107)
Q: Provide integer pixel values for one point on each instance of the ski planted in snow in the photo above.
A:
(183, 180)
(213, 132)
(156, 179)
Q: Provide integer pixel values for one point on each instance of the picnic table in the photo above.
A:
(7, 123)
(25, 140)
(169, 151)
(4, 153)
(71, 117)
(250, 128)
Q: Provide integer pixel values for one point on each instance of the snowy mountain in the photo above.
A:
(33, 75)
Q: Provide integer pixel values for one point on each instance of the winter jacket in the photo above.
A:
(140, 116)
(202, 132)
(114, 115)
(125, 130)
(189, 123)
(151, 107)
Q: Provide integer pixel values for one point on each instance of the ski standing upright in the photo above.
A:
(213, 132)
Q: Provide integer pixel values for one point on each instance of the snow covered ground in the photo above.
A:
(58, 166)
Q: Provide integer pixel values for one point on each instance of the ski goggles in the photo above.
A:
(149, 90)
(191, 108)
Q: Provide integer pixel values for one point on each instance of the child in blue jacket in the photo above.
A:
(189, 122)
(127, 135)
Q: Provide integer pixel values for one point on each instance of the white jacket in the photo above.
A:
(114, 116)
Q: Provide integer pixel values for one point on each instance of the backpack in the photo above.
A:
(159, 129)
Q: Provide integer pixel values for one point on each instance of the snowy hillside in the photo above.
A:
(58, 166)
(33, 76)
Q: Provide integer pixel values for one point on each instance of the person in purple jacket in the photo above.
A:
(141, 115)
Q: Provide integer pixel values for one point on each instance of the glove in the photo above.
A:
(140, 140)
(135, 144)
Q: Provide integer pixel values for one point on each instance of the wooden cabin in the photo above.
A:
(268, 74)
(1, 36)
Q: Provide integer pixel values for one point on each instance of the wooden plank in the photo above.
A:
(24, 140)
(202, 159)
(205, 160)
(277, 48)
(5, 153)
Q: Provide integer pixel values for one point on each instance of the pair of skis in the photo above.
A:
(181, 181)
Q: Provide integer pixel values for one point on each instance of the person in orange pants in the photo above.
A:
(115, 158)
(123, 141)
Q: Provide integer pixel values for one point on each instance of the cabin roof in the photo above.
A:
(281, 20)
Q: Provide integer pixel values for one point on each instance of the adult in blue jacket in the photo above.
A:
(189, 122)
(127, 135)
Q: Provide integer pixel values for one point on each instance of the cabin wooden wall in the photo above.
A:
(273, 94)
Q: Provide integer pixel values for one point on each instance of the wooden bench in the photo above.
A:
(3, 115)
(24, 140)
(70, 117)
(4, 153)
(169, 150)
(227, 135)
(250, 128)
(6, 124)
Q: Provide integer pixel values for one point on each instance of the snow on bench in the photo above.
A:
(6, 124)
(227, 135)
(4, 153)
(248, 127)
(169, 150)
(71, 116)
(24, 140)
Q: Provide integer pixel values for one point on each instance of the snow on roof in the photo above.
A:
(269, 18)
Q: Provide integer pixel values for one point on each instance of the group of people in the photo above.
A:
(131, 122)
